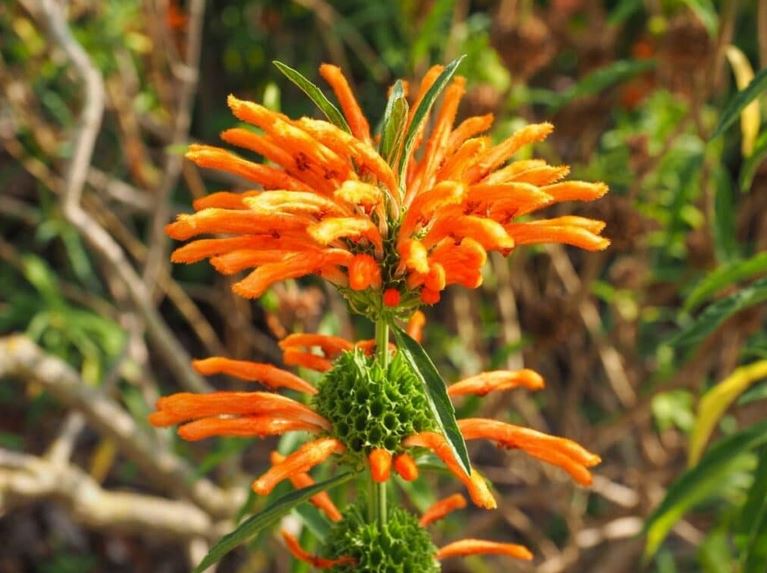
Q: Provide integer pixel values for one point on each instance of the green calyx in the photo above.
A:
(399, 546)
(371, 406)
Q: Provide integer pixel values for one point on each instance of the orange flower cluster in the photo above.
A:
(260, 414)
(328, 203)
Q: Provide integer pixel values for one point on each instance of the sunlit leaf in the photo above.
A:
(715, 402)
(315, 94)
(393, 125)
(741, 100)
(750, 118)
(422, 111)
(266, 518)
(436, 392)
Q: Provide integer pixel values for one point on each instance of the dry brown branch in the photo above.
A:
(26, 479)
(187, 73)
(20, 357)
(55, 23)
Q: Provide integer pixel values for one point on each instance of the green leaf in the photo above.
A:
(715, 402)
(753, 521)
(315, 94)
(422, 111)
(725, 241)
(721, 310)
(313, 520)
(739, 101)
(725, 276)
(436, 392)
(752, 163)
(394, 121)
(266, 518)
(700, 482)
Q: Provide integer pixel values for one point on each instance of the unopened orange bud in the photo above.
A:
(380, 465)
(405, 466)
(391, 297)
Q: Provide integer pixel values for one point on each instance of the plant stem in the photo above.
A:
(377, 498)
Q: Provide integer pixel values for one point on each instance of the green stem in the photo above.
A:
(377, 499)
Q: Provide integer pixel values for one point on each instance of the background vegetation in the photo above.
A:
(651, 350)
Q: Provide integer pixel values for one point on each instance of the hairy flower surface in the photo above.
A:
(390, 224)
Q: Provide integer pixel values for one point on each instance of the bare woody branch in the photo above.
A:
(28, 479)
(20, 357)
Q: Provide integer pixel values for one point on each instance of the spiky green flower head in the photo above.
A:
(399, 546)
(371, 406)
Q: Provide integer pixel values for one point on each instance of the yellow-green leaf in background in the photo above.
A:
(715, 402)
(750, 117)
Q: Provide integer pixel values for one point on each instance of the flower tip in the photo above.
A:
(259, 487)
(391, 297)
(161, 419)
(380, 465)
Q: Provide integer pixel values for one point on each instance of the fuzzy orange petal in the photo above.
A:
(321, 500)
(357, 121)
(406, 467)
(442, 508)
(425, 205)
(331, 346)
(222, 160)
(466, 547)
(233, 221)
(266, 374)
(487, 382)
(244, 426)
(347, 145)
(415, 325)
(576, 190)
(332, 228)
(364, 272)
(223, 200)
(575, 231)
(295, 357)
(300, 461)
(475, 484)
(498, 154)
(186, 406)
(468, 128)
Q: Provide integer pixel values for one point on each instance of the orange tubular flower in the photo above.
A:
(300, 461)
(442, 508)
(321, 500)
(561, 452)
(405, 466)
(487, 382)
(331, 205)
(467, 547)
(302, 555)
(267, 374)
(475, 483)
